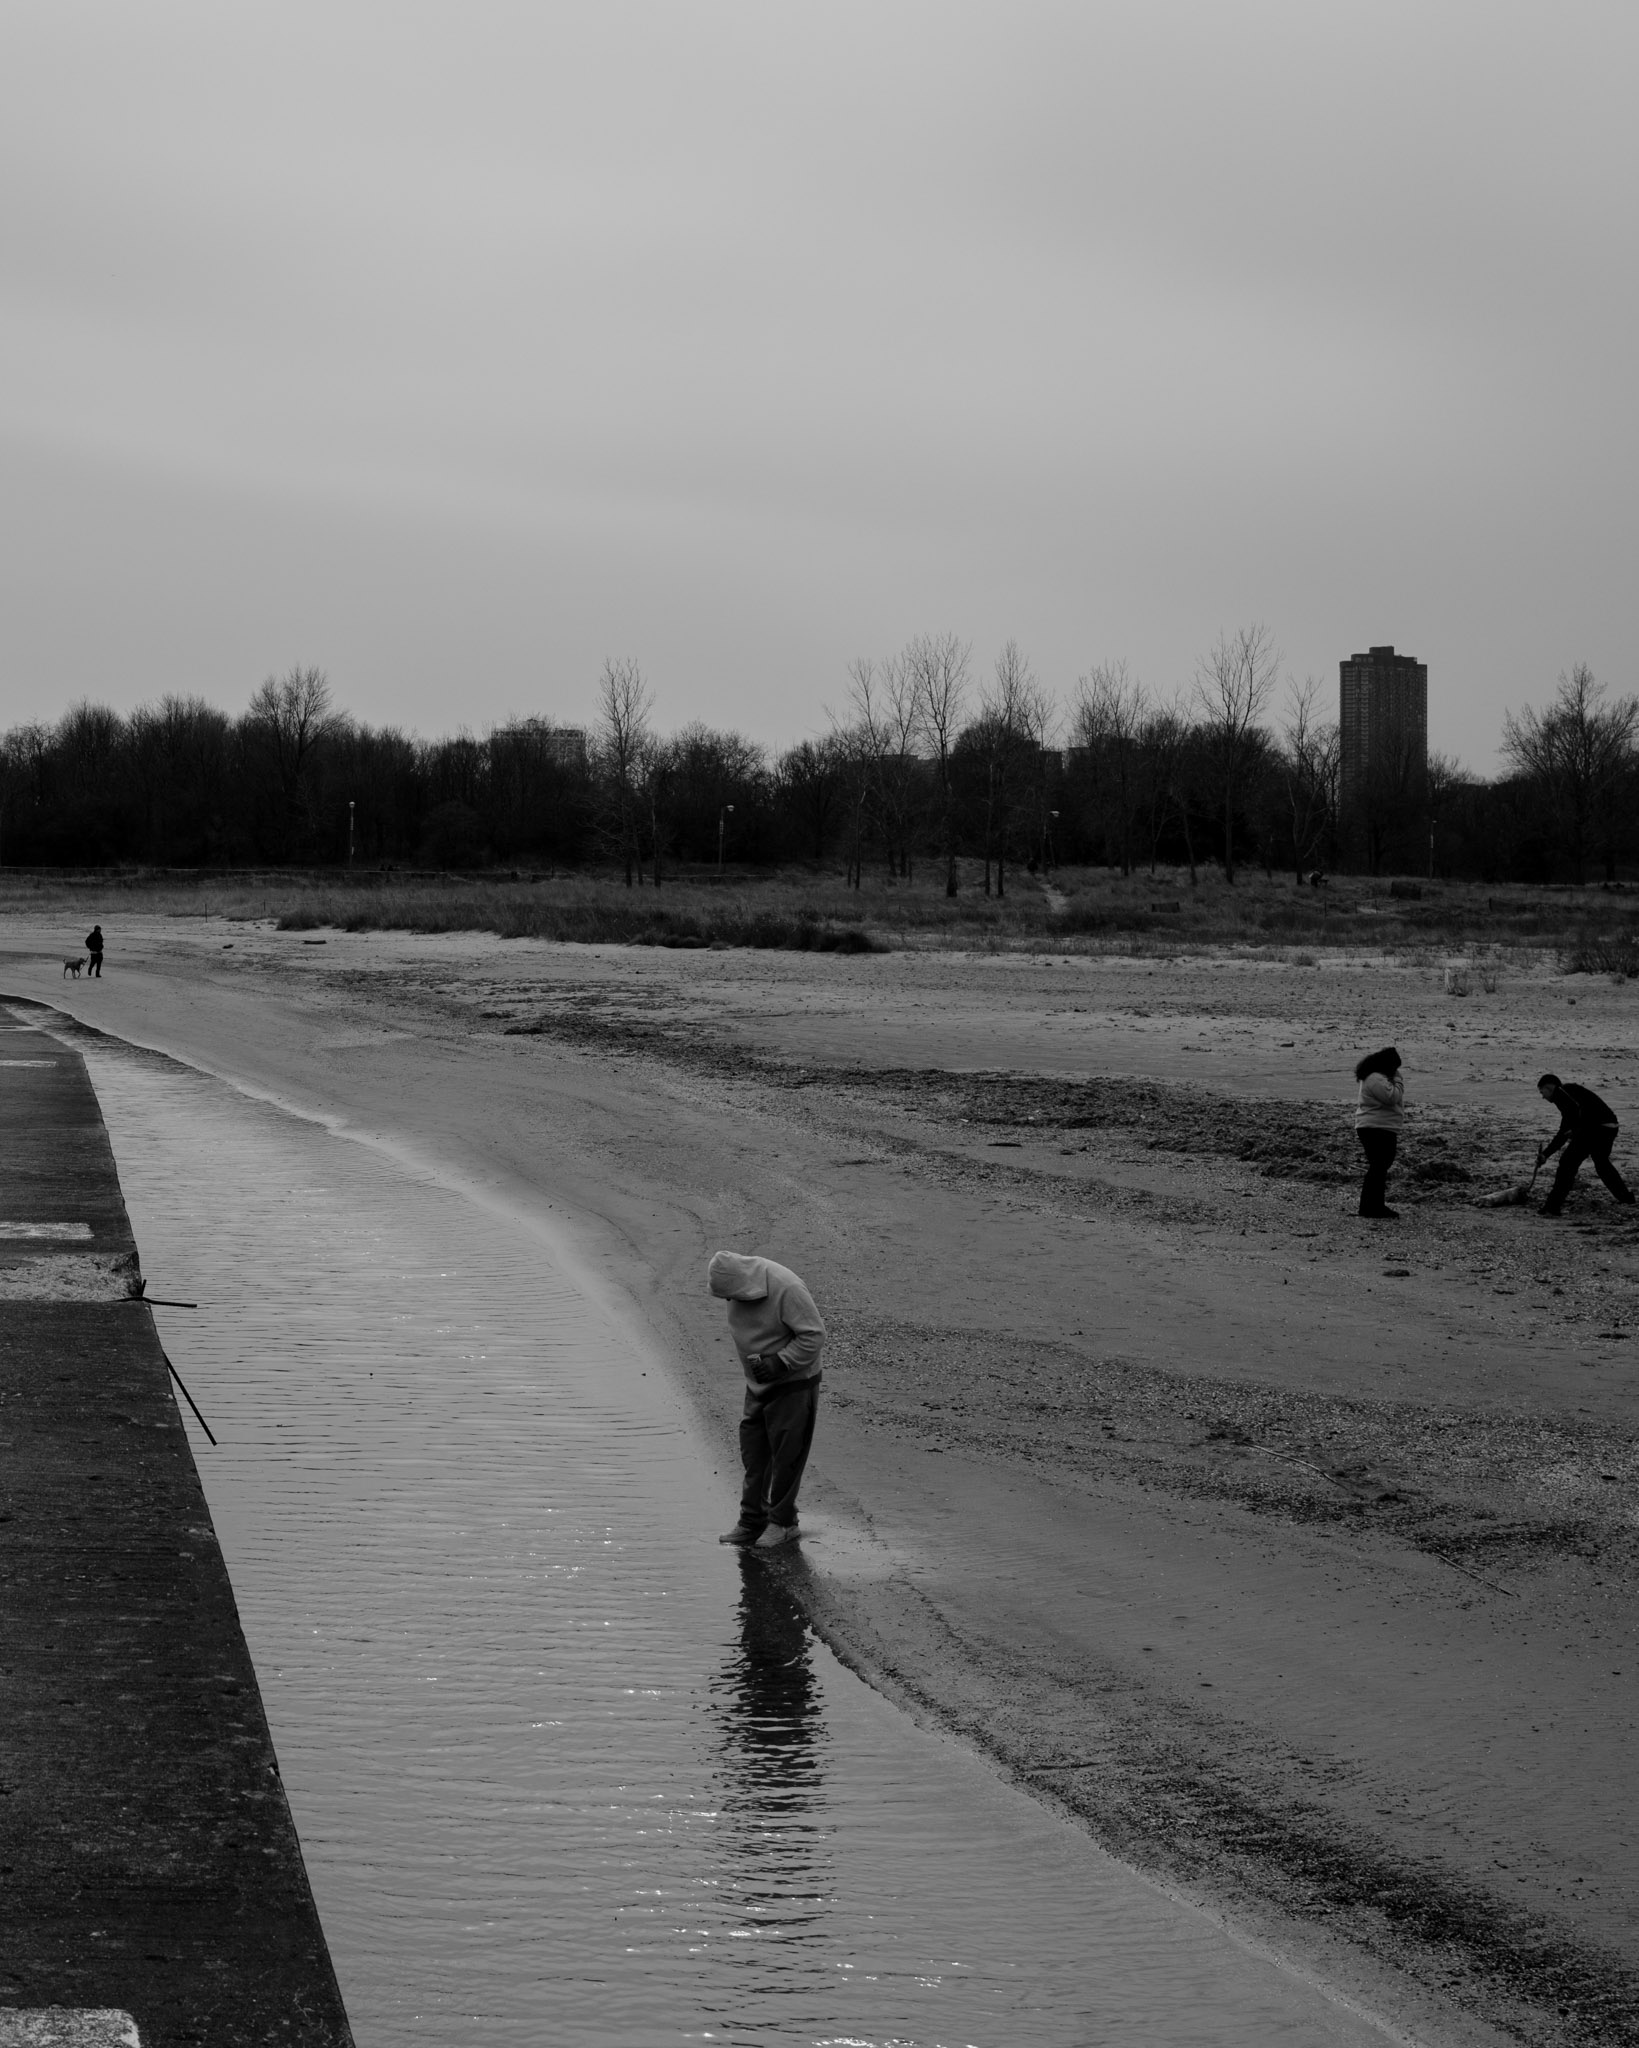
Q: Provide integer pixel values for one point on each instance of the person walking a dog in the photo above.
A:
(1377, 1126)
(93, 945)
(1587, 1130)
(778, 1334)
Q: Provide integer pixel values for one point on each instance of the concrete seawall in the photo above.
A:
(148, 1861)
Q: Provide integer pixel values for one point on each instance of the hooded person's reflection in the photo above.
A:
(769, 1714)
(767, 1697)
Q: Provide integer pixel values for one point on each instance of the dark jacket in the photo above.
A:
(1581, 1113)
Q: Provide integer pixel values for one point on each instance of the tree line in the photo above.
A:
(925, 764)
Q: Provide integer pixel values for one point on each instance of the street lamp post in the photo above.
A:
(350, 807)
(1432, 823)
(722, 819)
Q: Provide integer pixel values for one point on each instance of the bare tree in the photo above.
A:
(89, 737)
(624, 703)
(887, 717)
(1308, 762)
(1233, 683)
(24, 753)
(1038, 727)
(810, 784)
(937, 665)
(1188, 769)
(288, 720)
(1391, 805)
(653, 778)
(1171, 755)
(1160, 742)
(1580, 750)
(852, 743)
(851, 750)
(1448, 784)
(1109, 716)
(1007, 709)
(180, 750)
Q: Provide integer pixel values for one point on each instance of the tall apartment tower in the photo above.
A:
(1383, 718)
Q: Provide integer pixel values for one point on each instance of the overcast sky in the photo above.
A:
(455, 348)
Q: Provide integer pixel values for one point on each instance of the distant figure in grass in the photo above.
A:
(778, 1333)
(1377, 1126)
(1587, 1130)
(93, 945)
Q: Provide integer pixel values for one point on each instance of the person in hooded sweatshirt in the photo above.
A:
(778, 1333)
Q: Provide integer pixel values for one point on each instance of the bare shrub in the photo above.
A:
(612, 920)
(1617, 956)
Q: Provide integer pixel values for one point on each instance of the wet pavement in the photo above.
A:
(563, 1768)
(149, 1870)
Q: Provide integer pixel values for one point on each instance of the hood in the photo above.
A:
(738, 1276)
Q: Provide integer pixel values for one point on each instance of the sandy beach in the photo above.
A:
(1294, 1555)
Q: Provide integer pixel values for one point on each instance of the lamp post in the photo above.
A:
(1048, 849)
(350, 808)
(1432, 823)
(722, 820)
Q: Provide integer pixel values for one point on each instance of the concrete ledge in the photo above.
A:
(59, 2026)
(149, 1868)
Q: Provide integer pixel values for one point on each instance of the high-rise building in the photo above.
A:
(1382, 719)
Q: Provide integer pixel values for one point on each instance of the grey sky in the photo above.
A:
(453, 348)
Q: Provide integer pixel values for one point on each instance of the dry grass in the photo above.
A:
(1085, 911)
(1616, 954)
(576, 910)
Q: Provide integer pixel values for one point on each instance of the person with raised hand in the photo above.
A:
(1377, 1126)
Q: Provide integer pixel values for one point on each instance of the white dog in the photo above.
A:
(73, 966)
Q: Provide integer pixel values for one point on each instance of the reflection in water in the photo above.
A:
(776, 1834)
(565, 1770)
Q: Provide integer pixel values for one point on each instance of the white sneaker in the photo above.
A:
(773, 1536)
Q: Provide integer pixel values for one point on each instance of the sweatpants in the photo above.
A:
(1595, 1145)
(1379, 1147)
(776, 1435)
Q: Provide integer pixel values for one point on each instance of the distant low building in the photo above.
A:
(567, 745)
(1382, 721)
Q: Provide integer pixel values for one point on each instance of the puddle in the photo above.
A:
(564, 1769)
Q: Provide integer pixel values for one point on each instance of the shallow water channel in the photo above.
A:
(564, 1769)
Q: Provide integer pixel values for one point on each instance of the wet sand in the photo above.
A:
(1294, 1557)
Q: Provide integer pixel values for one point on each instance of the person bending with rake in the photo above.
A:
(1587, 1130)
